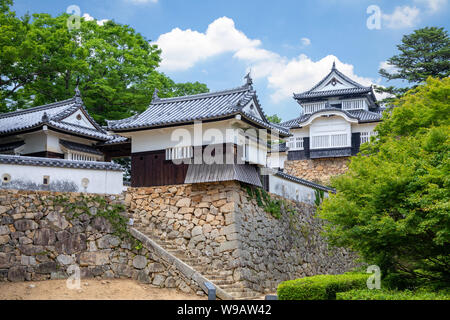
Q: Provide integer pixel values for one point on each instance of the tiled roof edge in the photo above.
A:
(35, 109)
(60, 163)
(304, 182)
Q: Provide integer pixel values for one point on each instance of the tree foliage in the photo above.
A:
(274, 119)
(392, 206)
(424, 53)
(41, 61)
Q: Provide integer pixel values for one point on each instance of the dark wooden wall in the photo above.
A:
(46, 154)
(356, 143)
(149, 169)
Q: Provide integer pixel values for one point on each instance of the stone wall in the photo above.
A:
(218, 227)
(317, 170)
(194, 217)
(213, 231)
(40, 237)
(274, 250)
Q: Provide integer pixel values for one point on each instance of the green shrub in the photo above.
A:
(367, 294)
(321, 287)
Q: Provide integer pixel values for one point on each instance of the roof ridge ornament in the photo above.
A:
(78, 96)
(155, 95)
(45, 117)
(249, 79)
(334, 66)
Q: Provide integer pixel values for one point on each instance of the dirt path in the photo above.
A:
(90, 290)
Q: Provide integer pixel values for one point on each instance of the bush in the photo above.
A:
(392, 206)
(392, 295)
(321, 287)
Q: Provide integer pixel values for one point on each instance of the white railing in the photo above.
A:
(81, 157)
(313, 107)
(295, 143)
(329, 141)
(354, 104)
(179, 153)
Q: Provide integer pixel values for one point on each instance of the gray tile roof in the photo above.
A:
(304, 182)
(362, 116)
(80, 147)
(293, 123)
(49, 162)
(11, 146)
(201, 173)
(51, 115)
(357, 90)
(332, 93)
(115, 140)
(200, 107)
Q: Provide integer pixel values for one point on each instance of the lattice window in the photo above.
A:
(81, 157)
(365, 136)
(299, 143)
(295, 143)
(329, 141)
(179, 153)
(291, 143)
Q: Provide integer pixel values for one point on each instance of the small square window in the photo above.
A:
(46, 180)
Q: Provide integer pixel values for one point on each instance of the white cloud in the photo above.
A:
(182, 49)
(305, 42)
(402, 17)
(301, 73)
(433, 5)
(388, 67)
(88, 17)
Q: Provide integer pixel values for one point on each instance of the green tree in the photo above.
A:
(189, 88)
(392, 206)
(424, 53)
(274, 119)
(114, 66)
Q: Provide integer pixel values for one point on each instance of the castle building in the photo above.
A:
(338, 116)
(60, 130)
(58, 147)
(168, 137)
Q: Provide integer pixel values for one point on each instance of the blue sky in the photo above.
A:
(288, 44)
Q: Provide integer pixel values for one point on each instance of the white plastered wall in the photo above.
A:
(292, 190)
(66, 179)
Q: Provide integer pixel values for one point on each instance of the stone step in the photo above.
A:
(219, 278)
(251, 298)
(217, 275)
(244, 295)
(220, 283)
(231, 287)
(213, 277)
(242, 290)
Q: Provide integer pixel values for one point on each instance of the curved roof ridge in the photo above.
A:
(290, 123)
(201, 95)
(339, 73)
(36, 109)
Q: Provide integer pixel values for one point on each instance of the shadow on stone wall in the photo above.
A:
(40, 237)
(57, 186)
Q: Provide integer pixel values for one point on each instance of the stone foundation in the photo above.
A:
(317, 170)
(193, 217)
(213, 231)
(219, 228)
(40, 238)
